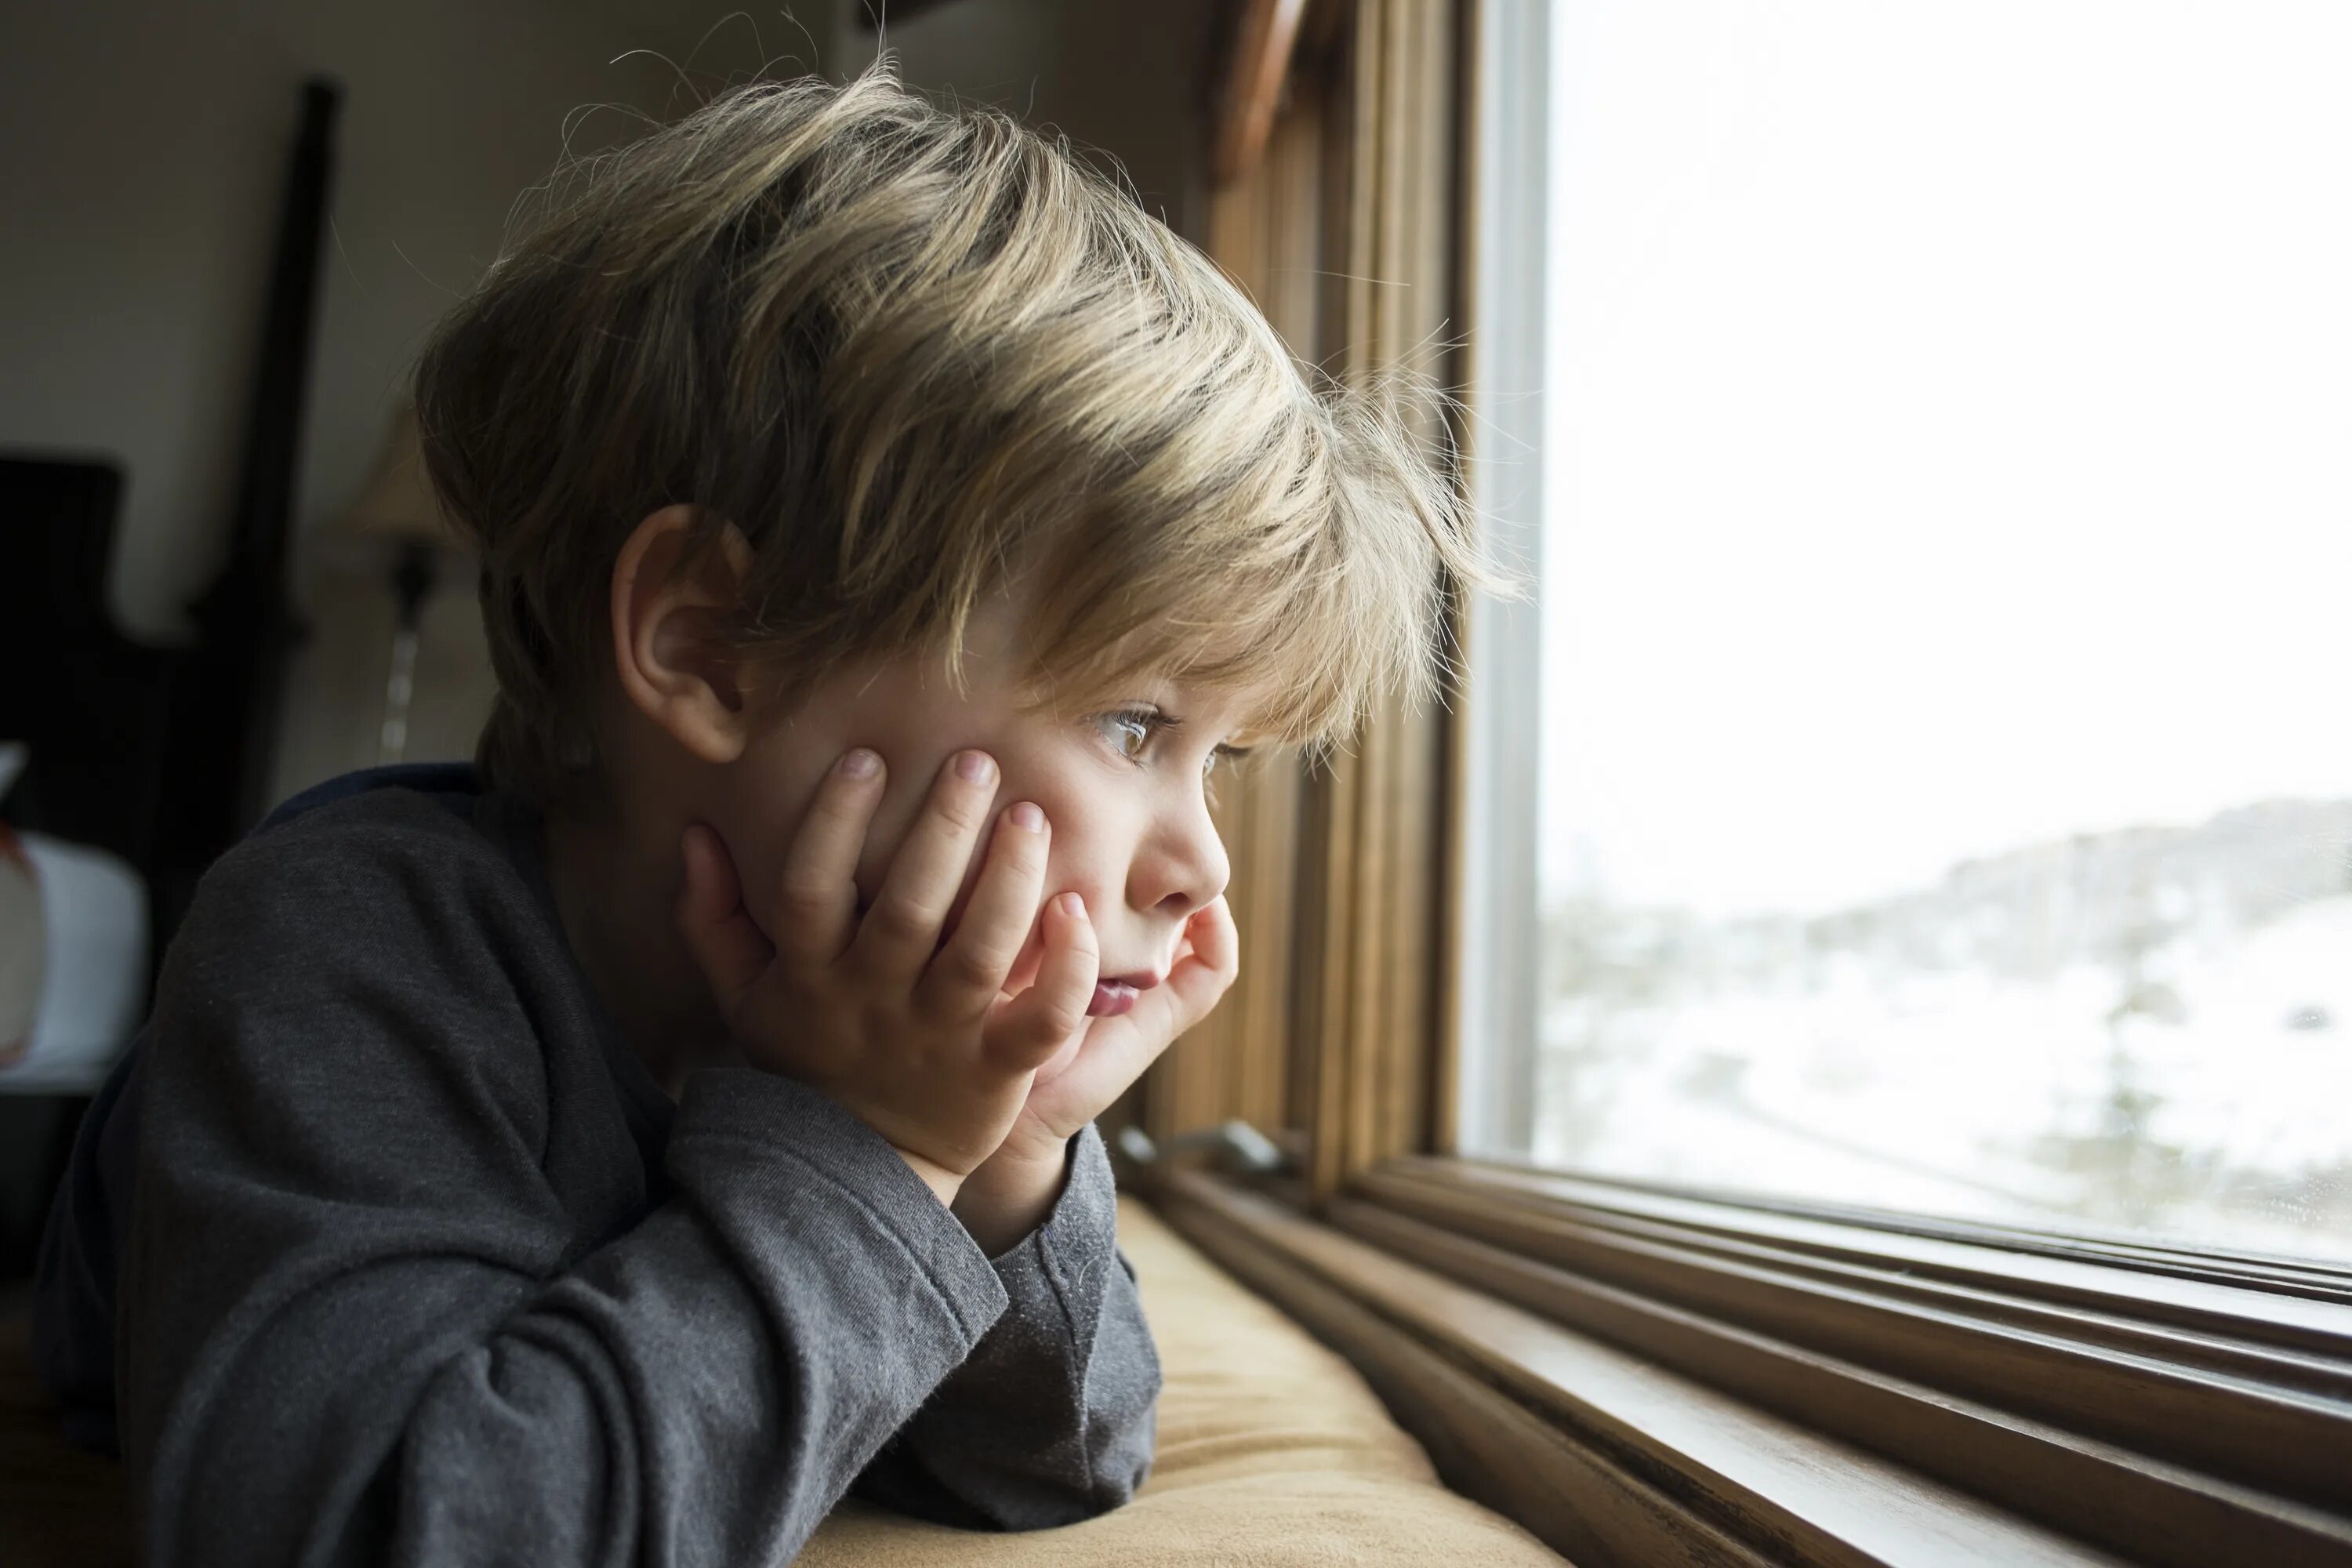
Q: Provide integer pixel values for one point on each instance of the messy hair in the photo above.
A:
(917, 353)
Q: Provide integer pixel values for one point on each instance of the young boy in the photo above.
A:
(620, 1150)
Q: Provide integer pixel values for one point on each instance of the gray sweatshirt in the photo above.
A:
(424, 1268)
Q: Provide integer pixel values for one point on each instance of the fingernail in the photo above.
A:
(975, 766)
(1027, 816)
(860, 763)
(1072, 905)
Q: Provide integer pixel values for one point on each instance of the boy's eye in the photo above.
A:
(1130, 734)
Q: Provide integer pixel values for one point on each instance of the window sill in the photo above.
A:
(1642, 1376)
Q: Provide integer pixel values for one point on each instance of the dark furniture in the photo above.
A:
(94, 704)
(161, 756)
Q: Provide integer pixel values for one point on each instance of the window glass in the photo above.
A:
(1945, 770)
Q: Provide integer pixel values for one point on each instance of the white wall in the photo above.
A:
(142, 151)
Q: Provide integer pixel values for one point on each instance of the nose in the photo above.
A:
(1181, 864)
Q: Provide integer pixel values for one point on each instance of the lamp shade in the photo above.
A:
(398, 505)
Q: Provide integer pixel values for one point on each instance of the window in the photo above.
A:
(1927, 436)
(1913, 428)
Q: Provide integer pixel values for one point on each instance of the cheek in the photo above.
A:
(1092, 846)
(1080, 859)
(757, 822)
(1077, 860)
(771, 799)
(901, 802)
(904, 800)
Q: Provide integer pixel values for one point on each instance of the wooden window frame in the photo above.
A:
(1641, 1373)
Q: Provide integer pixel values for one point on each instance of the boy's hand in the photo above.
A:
(1013, 1191)
(1079, 1082)
(914, 1037)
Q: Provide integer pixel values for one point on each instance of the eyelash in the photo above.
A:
(1151, 722)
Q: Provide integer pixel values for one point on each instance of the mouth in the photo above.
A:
(1117, 994)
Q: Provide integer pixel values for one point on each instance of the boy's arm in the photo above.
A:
(1049, 1420)
(359, 1323)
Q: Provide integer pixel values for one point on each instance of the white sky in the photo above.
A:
(1951, 433)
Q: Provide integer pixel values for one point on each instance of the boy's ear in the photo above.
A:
(671, 605)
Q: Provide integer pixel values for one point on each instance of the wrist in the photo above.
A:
(1030, 1156)
(1012, 1193)
(945, 1184)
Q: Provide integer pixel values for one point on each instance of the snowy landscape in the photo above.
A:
(2146, 1030)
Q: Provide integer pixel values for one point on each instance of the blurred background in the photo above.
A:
(230, 226)
(148, 143)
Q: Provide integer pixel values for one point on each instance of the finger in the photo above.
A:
(972, 968)
(817, 914)
(1028, 1029)
(1196, 982)
(728, 947)
(900, 933)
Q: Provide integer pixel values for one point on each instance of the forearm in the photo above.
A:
(1049, 1420)
(715, 1377)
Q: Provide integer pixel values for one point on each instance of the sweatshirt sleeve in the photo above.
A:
(361, 1325)
(1049, 1421)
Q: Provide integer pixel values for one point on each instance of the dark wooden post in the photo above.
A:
(231, 693)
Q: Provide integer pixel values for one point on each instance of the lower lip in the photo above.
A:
(1112, 999)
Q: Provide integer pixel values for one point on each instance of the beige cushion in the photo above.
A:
(1272, 1453)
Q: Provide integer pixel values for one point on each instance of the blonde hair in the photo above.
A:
(914, 354)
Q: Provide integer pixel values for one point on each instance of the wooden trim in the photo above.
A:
(2177, 1420)
(1375, 852)
(1344, 233)
(1266, 231)
(1260, 65)
(2276, 1286)
(1442, 1112)
(1606, 1456)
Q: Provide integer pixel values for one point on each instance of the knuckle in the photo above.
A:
(902, 920)
(980, 965)
(1023, 853)
(805, 895)
(824, 831)
(832, 814)
(961, 809)
(1058, 1021)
